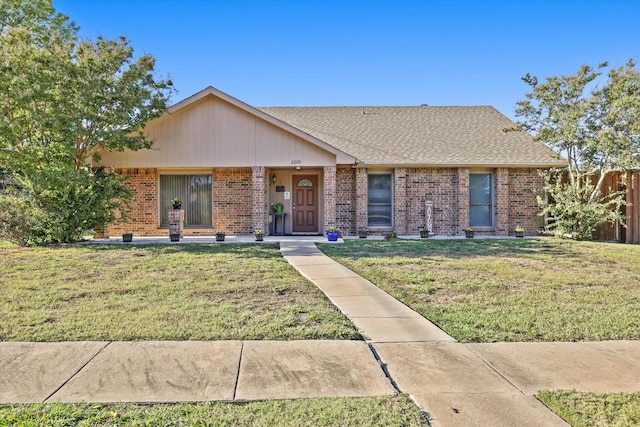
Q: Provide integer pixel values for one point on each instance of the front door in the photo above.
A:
(305, 203)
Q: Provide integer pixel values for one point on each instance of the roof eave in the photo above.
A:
(535, 165)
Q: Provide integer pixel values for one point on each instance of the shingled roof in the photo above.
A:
(420, 136)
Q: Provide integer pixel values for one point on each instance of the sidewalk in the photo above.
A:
(455, 384)
(187, 371)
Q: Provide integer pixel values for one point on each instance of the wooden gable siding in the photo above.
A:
(214, 133)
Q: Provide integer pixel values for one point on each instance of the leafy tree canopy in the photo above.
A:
(64, 99)
(593, 121)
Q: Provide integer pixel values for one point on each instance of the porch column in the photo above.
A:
(259, 213)
(400, 201)
(463, 200)
(361, 198)
(502, 202)
(329, 196)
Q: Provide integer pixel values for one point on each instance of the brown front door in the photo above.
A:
(305, 203)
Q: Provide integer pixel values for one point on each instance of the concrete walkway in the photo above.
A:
(466, 384)
(455, 384)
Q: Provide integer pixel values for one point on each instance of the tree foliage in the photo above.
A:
(595, 123)
(63, 100)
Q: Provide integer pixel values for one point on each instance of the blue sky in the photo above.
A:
(359, 53)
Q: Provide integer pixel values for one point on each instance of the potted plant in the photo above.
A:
(519, 232)
(176, 203)
(220, 236)
(424, 233)
(391, 234)
(259, 235)
(468, 232)
(127, 236)
(333, 233)
(363, 232)
(174, 236)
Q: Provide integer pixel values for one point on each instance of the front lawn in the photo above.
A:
(594, 409)
(389, 411)
(160, 292)
(489, 290)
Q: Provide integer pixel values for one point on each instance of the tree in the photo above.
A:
(597, 129)
(63, 100)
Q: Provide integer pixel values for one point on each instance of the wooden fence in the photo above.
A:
(616, 232)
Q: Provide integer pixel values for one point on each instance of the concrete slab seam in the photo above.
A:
(497, 372)
(386, 372)
(76, 372)
(383, 366)
(235, 387)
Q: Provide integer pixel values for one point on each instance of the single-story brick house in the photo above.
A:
(384, 168)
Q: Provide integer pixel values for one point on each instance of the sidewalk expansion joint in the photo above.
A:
(496, 371)
(235, 387)
(383, 366)
(76, 372)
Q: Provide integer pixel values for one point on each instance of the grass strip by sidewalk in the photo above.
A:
(490, 290)
(594, 409)
(160, 292)
(369, 411)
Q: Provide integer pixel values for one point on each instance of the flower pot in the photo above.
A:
(332, 236)
(177, 206)
(519, 233)
(362, 234)
(424, 234)
(259, 237)
(469, 234)
(219, 237)
(127, 237)
(174, 237)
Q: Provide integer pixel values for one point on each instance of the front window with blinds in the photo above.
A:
(480, 200)
(195, 193)
(379, 200)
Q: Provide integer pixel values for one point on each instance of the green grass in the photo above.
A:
(489, 290)
(369, 411)
(594, 409)
(160, 292)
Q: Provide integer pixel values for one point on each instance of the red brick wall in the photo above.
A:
(400, 210)
(143, 219)
(346, 200)
(440, 185)
(240, 205)
(524, 185)
(233, 200)
(329, 197)
(260, 197)
(232, 204)
(448, 188)
(501, 202)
